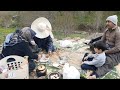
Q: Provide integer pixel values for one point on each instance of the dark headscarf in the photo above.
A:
(26, 34)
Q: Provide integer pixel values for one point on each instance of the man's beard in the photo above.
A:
(107, 26)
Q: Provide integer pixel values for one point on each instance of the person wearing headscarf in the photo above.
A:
(28, 34)
(17, 43)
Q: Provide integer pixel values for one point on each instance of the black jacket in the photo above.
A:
(45, 43)
(20, 49)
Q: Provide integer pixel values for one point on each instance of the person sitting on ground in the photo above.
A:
(93, 61)
(111, 38)
(33, 46)
(44, 36)
(18, 44)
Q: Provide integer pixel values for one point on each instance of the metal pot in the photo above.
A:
(41, 71)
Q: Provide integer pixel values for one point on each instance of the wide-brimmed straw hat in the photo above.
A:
(42, 27)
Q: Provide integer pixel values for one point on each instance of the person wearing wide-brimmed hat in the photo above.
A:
(44, 36)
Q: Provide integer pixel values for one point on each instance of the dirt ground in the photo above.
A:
(72, 55)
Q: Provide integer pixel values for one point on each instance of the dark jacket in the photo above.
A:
(112, 38)
(20, 49)
(45, 43)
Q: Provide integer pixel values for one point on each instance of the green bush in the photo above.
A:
(4, 32)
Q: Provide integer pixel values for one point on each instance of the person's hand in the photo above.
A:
(39, 56)
(33, 43)
(37, 61)
(106, 51)
(50, 53)
(85, 58)
(82, 63)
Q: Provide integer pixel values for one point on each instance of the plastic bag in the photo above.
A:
(70, 72)
(66, 43)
